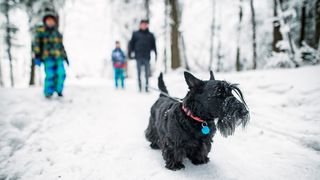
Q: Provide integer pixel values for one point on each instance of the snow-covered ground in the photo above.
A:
(96, 132)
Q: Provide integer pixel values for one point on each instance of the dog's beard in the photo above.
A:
(232, 117)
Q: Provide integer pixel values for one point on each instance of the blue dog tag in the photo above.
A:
(205, 129)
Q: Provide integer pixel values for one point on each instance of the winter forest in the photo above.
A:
(96, 130)
(208, 34)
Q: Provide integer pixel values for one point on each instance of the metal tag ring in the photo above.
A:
(204, 124)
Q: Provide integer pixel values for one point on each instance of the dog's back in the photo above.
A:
(158, 113)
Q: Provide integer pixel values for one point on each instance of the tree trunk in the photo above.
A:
(219, 62)
(303, 22)
(32, 65)
(185, 58)
(288, 35)
(219, 43)
(212, 28)
(238, 56)
(32, 73)
(8, 39)
(317, 34)
(175, 51)
(219, 56)
(276, 28)
(254, 32)
(165, 52)
(1, 80)
(147, 7)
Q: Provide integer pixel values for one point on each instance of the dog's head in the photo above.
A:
(213, 99)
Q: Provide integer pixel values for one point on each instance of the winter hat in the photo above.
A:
(144, 21)
(49, 13)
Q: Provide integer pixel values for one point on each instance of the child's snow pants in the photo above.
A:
(55, 75)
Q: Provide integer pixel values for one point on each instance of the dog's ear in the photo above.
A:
(211, 75)
(192, 81)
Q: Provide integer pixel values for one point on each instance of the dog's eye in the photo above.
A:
(219, 92)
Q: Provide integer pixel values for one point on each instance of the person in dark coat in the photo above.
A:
(141, 44)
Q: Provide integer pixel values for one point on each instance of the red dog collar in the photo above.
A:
(205, 129)
(189, 113)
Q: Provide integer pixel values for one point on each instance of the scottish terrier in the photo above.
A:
(186, 129)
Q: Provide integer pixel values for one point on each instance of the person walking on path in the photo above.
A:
(48, 49)
(141, 44)
(119, 64)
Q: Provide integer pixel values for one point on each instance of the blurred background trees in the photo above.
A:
(197, 35)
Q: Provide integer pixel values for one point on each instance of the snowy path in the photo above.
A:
(97, 132)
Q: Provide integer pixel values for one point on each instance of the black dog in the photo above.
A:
(186, 128)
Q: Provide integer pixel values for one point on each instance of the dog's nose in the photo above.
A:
(244, 111)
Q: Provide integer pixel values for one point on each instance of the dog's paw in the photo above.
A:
(175, 166)
(200, 161)
(154, 146)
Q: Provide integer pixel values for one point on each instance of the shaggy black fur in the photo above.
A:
(178, 135)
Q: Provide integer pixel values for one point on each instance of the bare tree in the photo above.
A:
(175, 51)
(32, 14)
(212, 28)
(219, 55)
(32, 73)
(287, 36)
(317, 33)
(1, 80)
(147, 7)
(238, 63)
(302, 22)
(165, 52)
(185, 58)
(9, 29)
(254, 32)
(276, 28)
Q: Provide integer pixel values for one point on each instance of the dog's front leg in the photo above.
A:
(173, 156)
(199, 155)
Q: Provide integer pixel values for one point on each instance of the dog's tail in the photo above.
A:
(161, 84)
